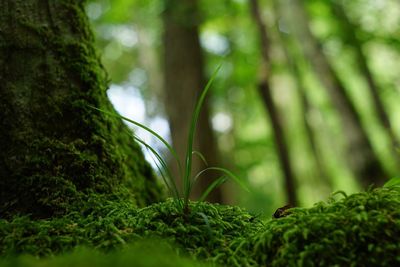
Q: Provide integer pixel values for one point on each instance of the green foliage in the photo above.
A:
(359, 230)
(393, 183)
(98, 223)
(182, 199)
(210, 232)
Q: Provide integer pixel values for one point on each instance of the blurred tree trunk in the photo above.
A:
(306, 107)
(361, 158)
(184, 81)
(55, 151)
(264, 88)
(349, 31)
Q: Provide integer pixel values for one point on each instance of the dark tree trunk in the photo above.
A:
(360, 155)
(55, 151)
(184, 81)
(273, 113)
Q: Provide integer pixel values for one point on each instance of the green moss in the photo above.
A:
(56, 151)
(360, 230)
(100, 223)
(210, 232)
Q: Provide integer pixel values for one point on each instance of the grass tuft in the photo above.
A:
(181, 197)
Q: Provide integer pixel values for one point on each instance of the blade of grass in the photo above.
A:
(201, 156)
(195, 117)
(168, 146)
(161, 171)
(163, 165)
(219, 181)
(226, 173)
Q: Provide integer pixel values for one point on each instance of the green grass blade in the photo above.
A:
(233, 176)
(161, 171)
(226, 173)
(195, 117)
(201, 156)
(392, 182)
(219, 181)
(168, 146)
(157, 158)
(171, 184)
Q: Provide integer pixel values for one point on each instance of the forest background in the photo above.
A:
(306, 101)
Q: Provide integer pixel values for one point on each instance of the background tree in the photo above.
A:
(294, 67)
(245, 138)
(184, 81)
(264, 88)
(349, 35)
(361, 156)
(55, 150)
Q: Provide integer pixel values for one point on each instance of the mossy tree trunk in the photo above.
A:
(55, 151)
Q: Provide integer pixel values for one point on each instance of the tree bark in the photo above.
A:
(360, 155)
(273, 112)
(55, 151)
(184, 81)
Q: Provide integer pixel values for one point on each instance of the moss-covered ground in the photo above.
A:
(358, 230)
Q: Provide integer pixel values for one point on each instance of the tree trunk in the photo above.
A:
(351, 38)
(266, 95)
(291, 56)
(184, 81)
(55, 151)
(361, 158)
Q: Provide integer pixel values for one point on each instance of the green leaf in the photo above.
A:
(226, 173)
(168, 178)
(201, 156)
(219, 181)
(189, 151)
(394, 182)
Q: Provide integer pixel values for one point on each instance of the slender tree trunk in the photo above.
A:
(361, 158)
(184, 81)
(305, 107)
(55, 151)
(349, 31)
(266, 95)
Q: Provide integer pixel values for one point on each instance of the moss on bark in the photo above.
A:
(55, 150)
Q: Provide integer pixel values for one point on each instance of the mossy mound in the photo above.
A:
(100, 224)
(210, 232)
(359, 230)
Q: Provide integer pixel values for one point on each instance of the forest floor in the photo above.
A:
(358, 230)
